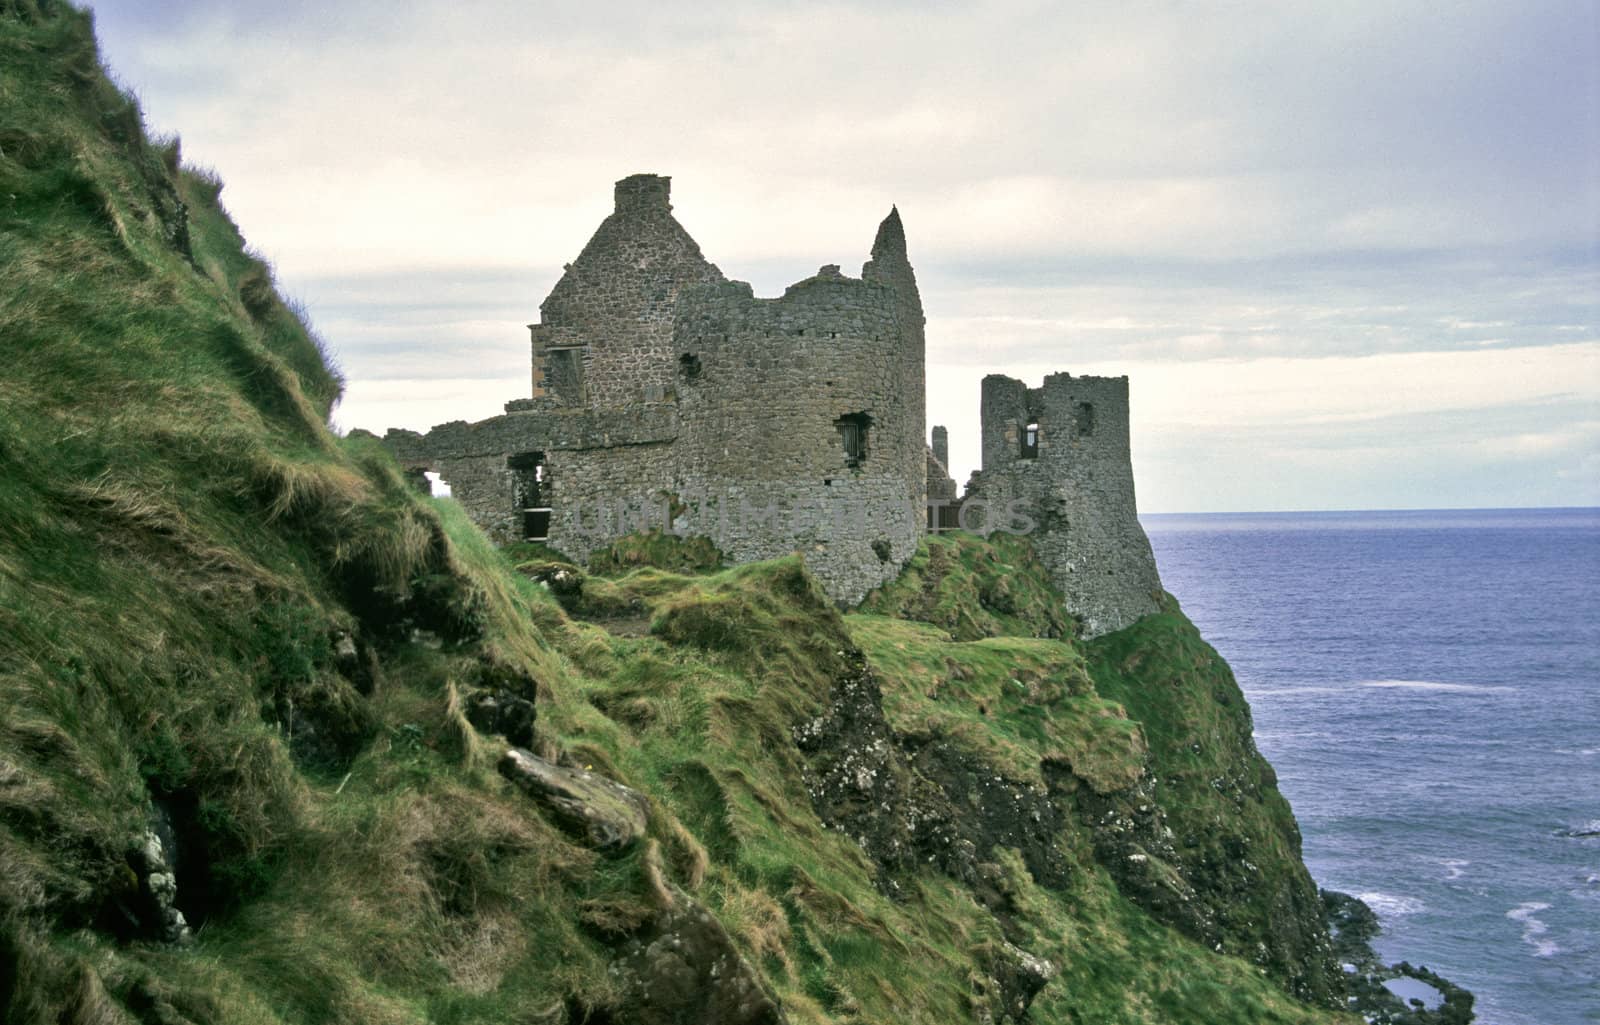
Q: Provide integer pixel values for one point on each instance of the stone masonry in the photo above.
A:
(665, 395)
(1060, 453)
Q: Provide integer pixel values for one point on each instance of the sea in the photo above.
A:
(1427, 686)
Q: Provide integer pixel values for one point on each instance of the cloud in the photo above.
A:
(1230, 128)
(1236, 203)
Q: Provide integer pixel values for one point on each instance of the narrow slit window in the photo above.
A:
(1030, 440)
(1085, 419)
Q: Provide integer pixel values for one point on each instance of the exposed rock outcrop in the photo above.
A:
(154, 860)
(501, 712)
(603, 813)
(911, 801)
(1135, 844)
(1376, 988)
(1015, 977)
(683, 969)
(916, 800)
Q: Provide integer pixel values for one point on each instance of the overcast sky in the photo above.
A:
(1347, 252)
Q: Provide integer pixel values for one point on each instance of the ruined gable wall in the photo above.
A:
(617, 299)
(1079, 490)
(941, 486)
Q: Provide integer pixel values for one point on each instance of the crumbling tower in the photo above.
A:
(1059, 454)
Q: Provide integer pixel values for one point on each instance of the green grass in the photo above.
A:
(186, 550)
(1017, 701)
(975, 587)
(1237, 837)
(659, 550)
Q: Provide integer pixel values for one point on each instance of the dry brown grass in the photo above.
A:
(759, 920)
(693, 860)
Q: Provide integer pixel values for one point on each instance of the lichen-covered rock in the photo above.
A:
(563, 579)
(356, 661)
(1015, 978)
(920, 800)
(500, 712)
(1134, 843)
(153, 861)
(684, 970)
(602, 812)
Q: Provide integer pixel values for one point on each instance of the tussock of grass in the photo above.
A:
(975, 587)
(659, 550)
(1018, 701)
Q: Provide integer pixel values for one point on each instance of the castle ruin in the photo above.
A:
(665, 395)
(1060, 452)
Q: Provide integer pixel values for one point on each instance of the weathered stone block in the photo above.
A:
(605, 814)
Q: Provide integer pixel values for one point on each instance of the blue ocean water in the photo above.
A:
(1427, 685)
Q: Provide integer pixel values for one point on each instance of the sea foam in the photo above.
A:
(1387, 905)
(1480, 688)
(1533, 929)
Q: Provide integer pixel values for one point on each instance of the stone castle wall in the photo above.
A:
(764, 414)
(585, 454)
(890, 267)
(665, 395)
(1073, 475)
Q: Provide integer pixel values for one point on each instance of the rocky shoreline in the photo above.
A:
(1388, 994)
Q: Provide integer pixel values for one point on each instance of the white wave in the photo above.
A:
(1290, 692)
(1387, 905)
(1533, 929)
(1274, 736)
(1454, 867)
(1480, 688)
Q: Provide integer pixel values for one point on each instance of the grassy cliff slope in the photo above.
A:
(248, 677)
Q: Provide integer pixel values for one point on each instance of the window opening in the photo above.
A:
(530, 494)
(852, 429)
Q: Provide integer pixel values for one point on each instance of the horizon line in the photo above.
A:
(1391, 509)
